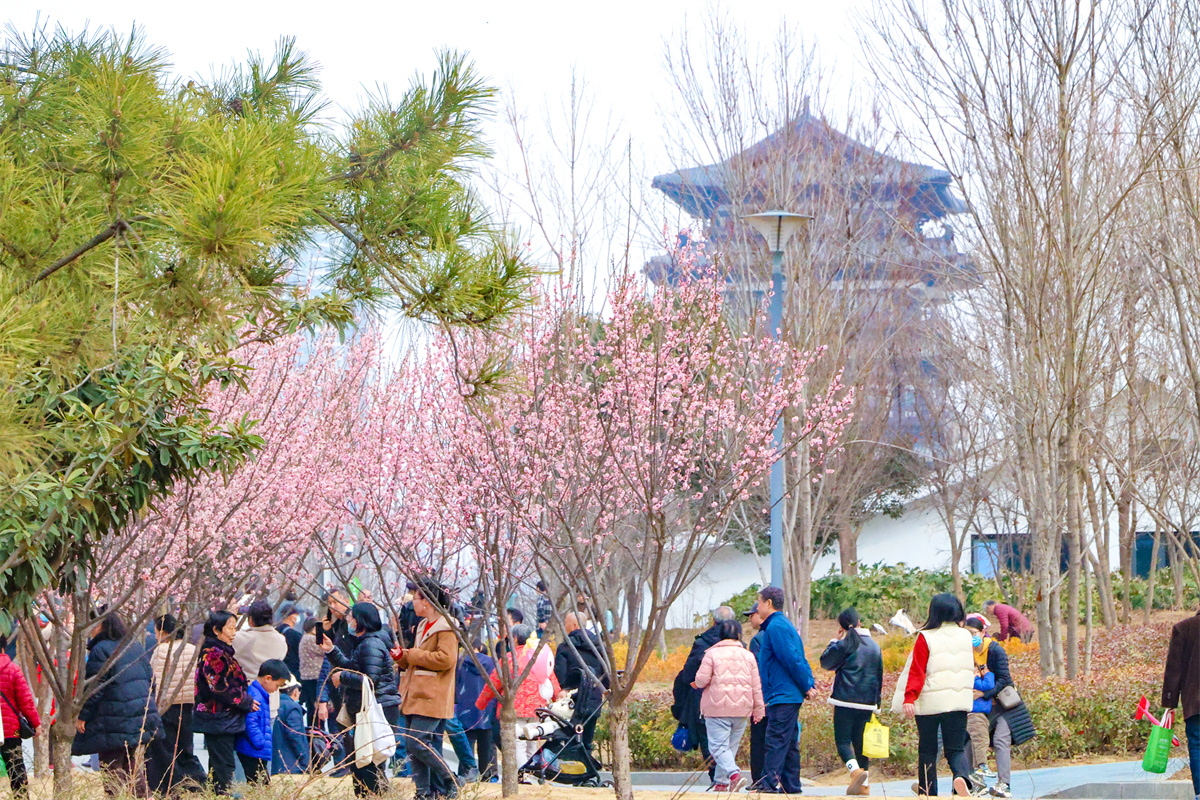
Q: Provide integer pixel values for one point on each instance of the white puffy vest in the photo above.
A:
(950, 673)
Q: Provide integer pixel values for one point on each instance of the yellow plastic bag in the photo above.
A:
(875, 739)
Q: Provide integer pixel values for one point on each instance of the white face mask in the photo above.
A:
(351, 626)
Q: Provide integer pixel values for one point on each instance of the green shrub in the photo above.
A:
(878, 590)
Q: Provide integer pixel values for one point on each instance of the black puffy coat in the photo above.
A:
(571, 673)
(686, 705)
(371, 657)
(1020, 723)
(859, 670)
(123, 711)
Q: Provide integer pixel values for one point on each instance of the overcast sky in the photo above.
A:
(526, 48)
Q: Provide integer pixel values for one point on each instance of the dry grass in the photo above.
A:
(293, 787)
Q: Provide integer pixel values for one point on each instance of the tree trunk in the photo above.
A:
(1099, 568)
(633, 607)
(1177, 562)
(951, 520)
(508, 748)
(799, 536)
(1056, 633)
(1104, 589)
(62, 734)
(41, 751)
(1149, 600)
(1087, 629)
(1074, 568)
(1128, 538)
(622, 757)
(848, 546)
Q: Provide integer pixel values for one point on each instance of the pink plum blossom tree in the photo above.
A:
(199, 547)
(626, 440)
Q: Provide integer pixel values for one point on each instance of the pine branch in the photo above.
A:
(113, 228)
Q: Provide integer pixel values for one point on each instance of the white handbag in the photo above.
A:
(374, 739)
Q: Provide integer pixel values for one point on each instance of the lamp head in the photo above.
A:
(777, 227)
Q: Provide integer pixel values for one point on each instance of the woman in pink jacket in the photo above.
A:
(732, 694)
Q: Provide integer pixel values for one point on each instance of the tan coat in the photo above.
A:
(176, 680)
(254, 645)
(427, 685)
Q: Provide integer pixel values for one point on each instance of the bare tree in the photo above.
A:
(1031, 106)
(859, 285)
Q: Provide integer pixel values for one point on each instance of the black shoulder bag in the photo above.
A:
(24, 729)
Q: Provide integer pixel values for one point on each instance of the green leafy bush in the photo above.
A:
(878, 590)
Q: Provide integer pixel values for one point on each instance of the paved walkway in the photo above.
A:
(1026, 784)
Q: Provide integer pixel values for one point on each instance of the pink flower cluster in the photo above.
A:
(611, 438)
(208, 539)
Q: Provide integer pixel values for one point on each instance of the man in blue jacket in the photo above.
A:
(787, 680)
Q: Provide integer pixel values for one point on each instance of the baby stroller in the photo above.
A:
(563, 757)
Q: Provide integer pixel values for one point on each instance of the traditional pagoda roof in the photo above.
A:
(701, 191)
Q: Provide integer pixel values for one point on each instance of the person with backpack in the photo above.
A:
(579, 667)
(685, 707)
(469, 683)
(17, 706)
(528, 697)
(857, 664)
(731, 697)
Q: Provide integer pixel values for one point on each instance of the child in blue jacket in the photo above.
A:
(977, 722)
(289, 739)
(254, 744)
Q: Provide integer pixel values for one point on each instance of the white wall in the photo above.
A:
(917, 539)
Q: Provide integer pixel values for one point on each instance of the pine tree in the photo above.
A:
(150, 227)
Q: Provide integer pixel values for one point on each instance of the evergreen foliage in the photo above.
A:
(149, 227)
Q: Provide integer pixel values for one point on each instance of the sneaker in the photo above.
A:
(719, 787)
(857, 778)
(736, 782)
(470, 776)
(961, 789)
(1000, 790)
(986, 771)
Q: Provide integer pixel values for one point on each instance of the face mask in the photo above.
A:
(977, 640)
(350, 626)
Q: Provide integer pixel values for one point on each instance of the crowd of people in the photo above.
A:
(277, 690)
(956, 686)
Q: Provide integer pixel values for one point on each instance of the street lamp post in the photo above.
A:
(777, 228)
